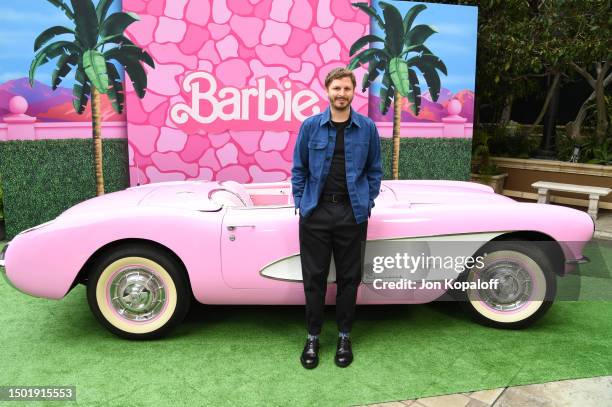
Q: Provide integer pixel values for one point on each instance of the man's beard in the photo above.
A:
(348, 103)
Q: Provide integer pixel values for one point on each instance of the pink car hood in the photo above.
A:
(428, 192)
(192, 195)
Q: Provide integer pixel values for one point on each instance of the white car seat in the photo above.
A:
(226, 198)
(238, 189)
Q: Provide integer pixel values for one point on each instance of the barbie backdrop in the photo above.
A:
(233, 80)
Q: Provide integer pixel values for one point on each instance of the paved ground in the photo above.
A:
(595, 392)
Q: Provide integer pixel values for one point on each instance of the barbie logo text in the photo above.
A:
(262, 104)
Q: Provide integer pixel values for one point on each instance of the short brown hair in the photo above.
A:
(339, 73)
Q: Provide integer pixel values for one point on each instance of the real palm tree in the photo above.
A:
(94, 70)
(402, 52)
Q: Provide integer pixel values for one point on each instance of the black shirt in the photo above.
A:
(336, 179)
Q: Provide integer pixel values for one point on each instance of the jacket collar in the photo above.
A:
(326, 117)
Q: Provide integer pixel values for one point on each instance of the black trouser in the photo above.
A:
(331, 228)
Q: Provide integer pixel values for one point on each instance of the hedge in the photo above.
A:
(1, 202)
(429, 158)
(43, 178)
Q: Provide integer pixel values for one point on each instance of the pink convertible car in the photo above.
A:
(146, 252)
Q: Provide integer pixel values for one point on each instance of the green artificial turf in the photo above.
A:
(249, 355)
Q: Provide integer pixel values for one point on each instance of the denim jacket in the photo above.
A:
(312, 158)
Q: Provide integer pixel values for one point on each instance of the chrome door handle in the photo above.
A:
(233, 227)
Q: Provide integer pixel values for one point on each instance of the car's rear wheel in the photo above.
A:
(138, 292)
(525, 290)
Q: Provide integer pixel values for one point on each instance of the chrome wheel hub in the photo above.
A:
(137, 294)
(514, 289)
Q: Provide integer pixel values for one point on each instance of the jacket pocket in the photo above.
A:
(316, 156)
(317, 144)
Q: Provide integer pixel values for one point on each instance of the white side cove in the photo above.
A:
(290, 268)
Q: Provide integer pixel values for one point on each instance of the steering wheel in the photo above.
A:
(215, 190)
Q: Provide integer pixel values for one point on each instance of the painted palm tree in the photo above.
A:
(403, 51)
(94, 70)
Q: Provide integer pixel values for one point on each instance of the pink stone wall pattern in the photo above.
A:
(171, 140)
(218, 31)
(198, 12)
(194, 148)
(263, 9)
(195, 37)
(228, 154)
(247, 140)
(266, 176)
(233, 72)
(298, 42)
(156, 7)
(273, 140)
(238, 41)
(240, 7)
(247, 29)
(301, 14)
(175, 8)
(220, 11)
(280, 10)
(227, 47)
(152, 101)
(275, 33)
(170, 30)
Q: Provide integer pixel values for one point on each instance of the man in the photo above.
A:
(336, 176)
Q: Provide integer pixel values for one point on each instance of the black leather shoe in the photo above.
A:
(310, 354)
(344, 353)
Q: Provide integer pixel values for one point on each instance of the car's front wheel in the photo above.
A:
(138, 292)
(523, 289)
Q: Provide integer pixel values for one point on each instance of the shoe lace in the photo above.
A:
(345, 344)
(311, 345)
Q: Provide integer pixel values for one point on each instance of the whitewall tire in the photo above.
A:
(138, 292)
(526, 285)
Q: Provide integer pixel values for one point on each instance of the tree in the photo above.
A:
(523, 40)
(599, 82)
(509, 56)
(94, 70)
(587, 29)
(403, 50)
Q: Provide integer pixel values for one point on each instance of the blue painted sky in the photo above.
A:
(455, 42)
(20, 23)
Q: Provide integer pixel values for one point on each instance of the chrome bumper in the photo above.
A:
(2, 254)
(582, 260)
(2, 269)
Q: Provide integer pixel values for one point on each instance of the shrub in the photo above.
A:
(43, 178)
